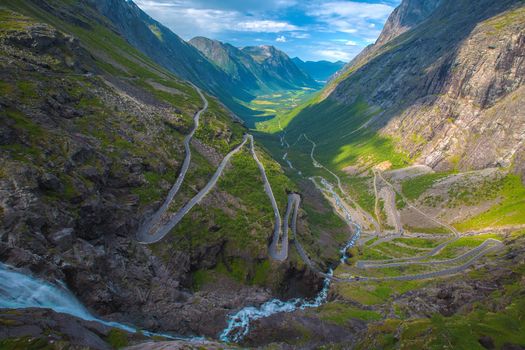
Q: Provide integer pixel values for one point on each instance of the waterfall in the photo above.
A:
(239, 323)
(19, 291)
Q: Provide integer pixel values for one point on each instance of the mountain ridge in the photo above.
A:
(390, 216)
(261, 68)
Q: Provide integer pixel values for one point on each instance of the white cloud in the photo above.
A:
(300, 35)
(266, 26)
(349, 16)
(187, 20)
(353, 23)
(351, 9)
(334, 55)
(237, 5)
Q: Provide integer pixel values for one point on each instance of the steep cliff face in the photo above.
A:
(162, 45)
(444, 82)
(478, 108)
(406, 16)
(172, 52)
(240, 66)
(85, 154)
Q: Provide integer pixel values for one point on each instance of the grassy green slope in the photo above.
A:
(337, 130)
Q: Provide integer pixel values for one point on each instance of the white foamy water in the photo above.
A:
(20, 291)
(239, 323)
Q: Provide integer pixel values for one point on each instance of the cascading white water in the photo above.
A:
(20, 291)
(239, 323)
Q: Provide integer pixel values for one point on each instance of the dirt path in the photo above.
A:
(393, 216)
(377, 209)
(374, 264)
(440, 273)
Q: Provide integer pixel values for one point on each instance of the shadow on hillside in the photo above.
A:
(413, 66)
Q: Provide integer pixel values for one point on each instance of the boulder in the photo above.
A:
(63, 238)
(50, 182)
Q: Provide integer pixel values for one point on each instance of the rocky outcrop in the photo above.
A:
(44, 328)
(297, 330)
(182, 345)
(406, 16)
(28, 328)
(474, 118)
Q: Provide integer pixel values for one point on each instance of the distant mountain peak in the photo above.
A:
(407, 15)
(321, 71)
(262, 67)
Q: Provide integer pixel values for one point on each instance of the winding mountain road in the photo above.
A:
(279, 233)
(143, 234)
(161, 230)
(368, 264)
(439, 273)
(410, 205)
(377, 210)
(162, 222)
(296, 200)
(490, 245)
(316, 164)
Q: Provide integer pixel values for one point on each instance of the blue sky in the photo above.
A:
(310, 29)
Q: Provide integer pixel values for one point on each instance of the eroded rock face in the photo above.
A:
(181, 345)
(297, 330)
(31, 326)
(448, 77)
(406, 16)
